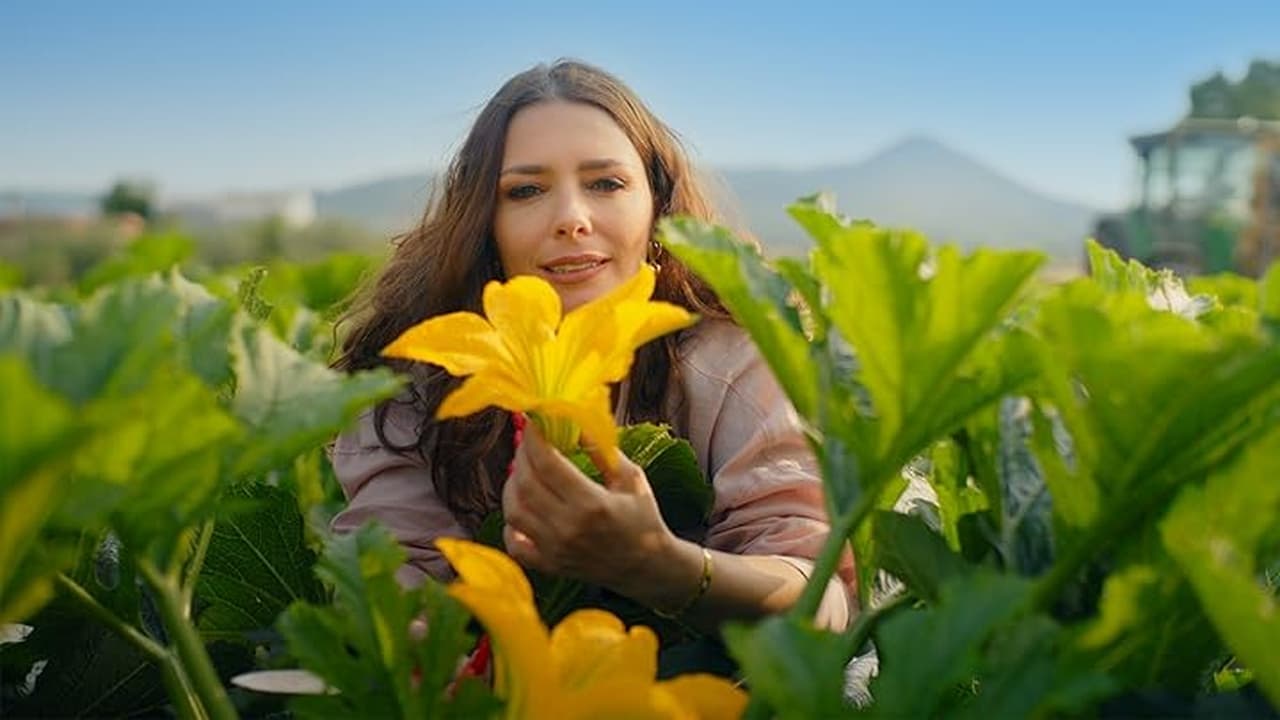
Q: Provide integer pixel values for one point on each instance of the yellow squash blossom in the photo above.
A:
(522, 356)
(589, 666)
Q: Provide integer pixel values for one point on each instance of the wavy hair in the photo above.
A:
(443, 263)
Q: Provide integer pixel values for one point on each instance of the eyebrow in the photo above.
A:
(595, 164)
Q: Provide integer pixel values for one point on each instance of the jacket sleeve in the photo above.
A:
(396, 490)
(768, 489)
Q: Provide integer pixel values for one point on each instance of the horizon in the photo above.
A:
(202, 101)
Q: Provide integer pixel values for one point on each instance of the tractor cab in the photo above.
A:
(1207, 199)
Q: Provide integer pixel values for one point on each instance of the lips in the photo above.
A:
(574, 270)
(570, 264)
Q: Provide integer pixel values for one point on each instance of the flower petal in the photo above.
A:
(483, 390)
(593, 417)
(636, 324)
(592, 645)
(707, 697)
(487, 568)
(525, 310)
(525, 678)
(462, 343)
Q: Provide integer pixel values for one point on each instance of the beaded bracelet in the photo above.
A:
(703, 584)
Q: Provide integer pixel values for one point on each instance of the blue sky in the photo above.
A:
(265, 95)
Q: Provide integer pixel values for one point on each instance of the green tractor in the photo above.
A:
(1208, 199)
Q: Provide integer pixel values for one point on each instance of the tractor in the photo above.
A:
(1207, 199)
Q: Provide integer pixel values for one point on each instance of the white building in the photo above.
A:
(296, 208)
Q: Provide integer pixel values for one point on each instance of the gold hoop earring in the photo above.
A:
(655, 251)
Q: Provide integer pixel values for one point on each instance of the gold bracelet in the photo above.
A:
(703, 584)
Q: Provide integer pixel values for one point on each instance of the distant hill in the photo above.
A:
(389, 205)
(919, 183)
(48, 204)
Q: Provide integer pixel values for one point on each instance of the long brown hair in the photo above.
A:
(442, 265)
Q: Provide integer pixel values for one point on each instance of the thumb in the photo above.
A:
(619, 473)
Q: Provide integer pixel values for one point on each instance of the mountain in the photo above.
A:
(918, 183)
(388, 205)
(47, 204)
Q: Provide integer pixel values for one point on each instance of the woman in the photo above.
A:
(563, 176)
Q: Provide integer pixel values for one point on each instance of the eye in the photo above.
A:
(607, 184)
(522, 192)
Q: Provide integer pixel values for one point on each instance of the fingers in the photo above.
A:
(527, 507)
(523, 549)
(557, 473)
(619, 473)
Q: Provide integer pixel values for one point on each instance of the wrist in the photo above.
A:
(673, 577)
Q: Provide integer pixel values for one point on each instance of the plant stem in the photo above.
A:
(132, 635)
(825, 566)
(185, 702)
(187, 643)
(856, 636)
(195, 564)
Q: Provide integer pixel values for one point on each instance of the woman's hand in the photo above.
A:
(560, 521)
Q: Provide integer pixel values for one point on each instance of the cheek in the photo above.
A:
(513, 245)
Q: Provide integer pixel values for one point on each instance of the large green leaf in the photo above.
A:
(258, 563)
(792, 667)
(758, 297)
(32, 328)
(1149, 397)
(119, 336)
(290, 403)
(362, 645)
(923, 323)
(925, 654)
(88, 671)
(1149, 630)
(916, 555)
(681, 489)
(154, 461)
(39, 430)
(1213, 533)
(144, 255)
(1020, 675)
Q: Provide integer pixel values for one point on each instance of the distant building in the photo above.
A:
(297, 209)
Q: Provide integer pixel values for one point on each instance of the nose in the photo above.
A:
(573, 217)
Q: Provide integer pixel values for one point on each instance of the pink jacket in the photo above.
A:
(747, 437)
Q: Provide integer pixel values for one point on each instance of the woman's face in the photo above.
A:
(574, 204)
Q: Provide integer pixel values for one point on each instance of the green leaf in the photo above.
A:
(290, 403)
(957, 496)
(32, 329)
(1213, 534)
(916, 555)
(1229, 289)
(1149, 399)
(89, 670)
(923, 325)
(1021, 676)
(681, 489)
(144, 255)
(155, 460)
(362, 645)
(204, 331)
(924, 655)
(1149, 630)
(258, 563)
(794, 668)
(39, 431)
(1269, 294)
(758, 297)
